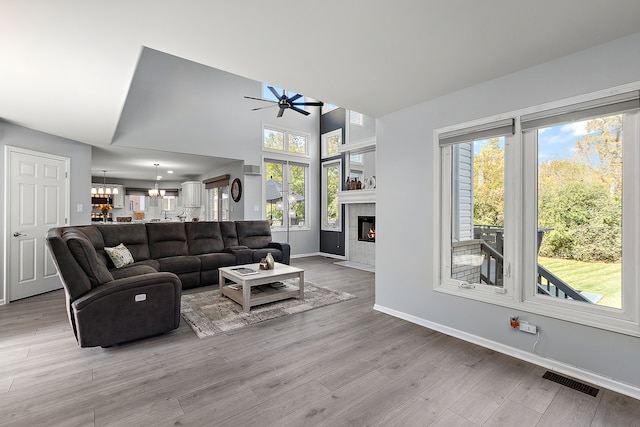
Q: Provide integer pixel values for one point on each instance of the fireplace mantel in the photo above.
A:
(357, 196)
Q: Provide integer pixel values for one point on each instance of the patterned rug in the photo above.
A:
(209, 314)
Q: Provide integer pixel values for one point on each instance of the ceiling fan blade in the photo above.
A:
(294, 97)
(262, 108)
(261, 99)
(316, 104)
(273, 91)
(299, 110)
(281, 112)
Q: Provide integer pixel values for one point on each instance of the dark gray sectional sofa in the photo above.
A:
(108, 305)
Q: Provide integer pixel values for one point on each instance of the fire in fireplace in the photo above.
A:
(367, 228)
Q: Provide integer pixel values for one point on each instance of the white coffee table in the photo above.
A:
(243, 296)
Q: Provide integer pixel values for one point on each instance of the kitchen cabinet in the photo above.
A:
(118, 199)
(192, 194)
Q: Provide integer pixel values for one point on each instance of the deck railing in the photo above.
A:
(492, 271)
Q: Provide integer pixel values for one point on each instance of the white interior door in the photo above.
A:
(37, 201)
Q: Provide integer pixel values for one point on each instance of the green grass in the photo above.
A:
(597, 277)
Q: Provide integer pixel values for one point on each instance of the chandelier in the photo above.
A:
(104, 190)
(154, 192)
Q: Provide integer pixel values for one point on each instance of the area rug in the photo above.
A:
(208, 313)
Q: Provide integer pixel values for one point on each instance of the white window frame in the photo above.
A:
(219, 209)
(327, 108)
(285, 142)
(324, 143)
(286, 178)
(520, 248)
(356, 118)
(325, 226)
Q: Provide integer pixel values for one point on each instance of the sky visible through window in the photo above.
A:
(554, 143)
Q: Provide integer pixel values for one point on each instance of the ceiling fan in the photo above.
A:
(285, 102)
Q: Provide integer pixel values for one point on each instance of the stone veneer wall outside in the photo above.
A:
(362, 252)
(466, 260)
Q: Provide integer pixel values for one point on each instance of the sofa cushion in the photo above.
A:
(204, 237)
(132, 270)
(214, 261)
(85, 254)
(258, 254)
(253, 234)
(120, 255)
(133, 236)
(229, 233)
(180, 264)
(167, 239)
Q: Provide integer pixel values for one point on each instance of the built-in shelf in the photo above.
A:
(357, 196)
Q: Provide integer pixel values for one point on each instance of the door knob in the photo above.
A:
(18, 234)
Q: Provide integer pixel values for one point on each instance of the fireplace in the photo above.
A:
(367, 228)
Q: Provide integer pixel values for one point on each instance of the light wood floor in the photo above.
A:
(344, 364)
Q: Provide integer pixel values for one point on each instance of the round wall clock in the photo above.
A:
(236, 190)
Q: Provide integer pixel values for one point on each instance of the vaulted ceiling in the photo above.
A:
(66, 66)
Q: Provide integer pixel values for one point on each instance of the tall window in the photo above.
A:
(331, 183)
(284, 141)
(285, 193)
(475, 162)
(218, 193)
(546, 218)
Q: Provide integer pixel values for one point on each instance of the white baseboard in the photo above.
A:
(2, 301)
(560, 367)
(319, 254)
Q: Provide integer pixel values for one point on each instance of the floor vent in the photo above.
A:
(568, 382)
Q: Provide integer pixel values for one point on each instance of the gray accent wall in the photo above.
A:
(404, 277)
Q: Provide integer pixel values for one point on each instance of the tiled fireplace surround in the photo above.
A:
(360, 252)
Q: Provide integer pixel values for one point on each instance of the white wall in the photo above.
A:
(179, 105)
(80, 183)
(404, 277)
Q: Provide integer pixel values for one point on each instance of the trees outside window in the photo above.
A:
(545, 219)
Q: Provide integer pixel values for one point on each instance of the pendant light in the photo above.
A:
(104, 190)
(154, 192)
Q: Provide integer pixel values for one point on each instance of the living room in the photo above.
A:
(406, 185)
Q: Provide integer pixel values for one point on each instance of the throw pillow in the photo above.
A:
(120, 255)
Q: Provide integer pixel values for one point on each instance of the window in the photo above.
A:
(268, 94)
(330, 142)
(218, 192)
(169, 203)
(331, 183)
(285, 193)
(285, 141)
(219, 204)
(474, 160)
(546, 219)
(327, 107)
(356, 118)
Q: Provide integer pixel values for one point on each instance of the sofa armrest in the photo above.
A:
(128, 284)
(285, 248)
(127, 309)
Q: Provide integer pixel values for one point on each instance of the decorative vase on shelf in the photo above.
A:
(270, 261)
(105, 218)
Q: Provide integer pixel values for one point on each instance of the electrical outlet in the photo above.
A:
(528, 327)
